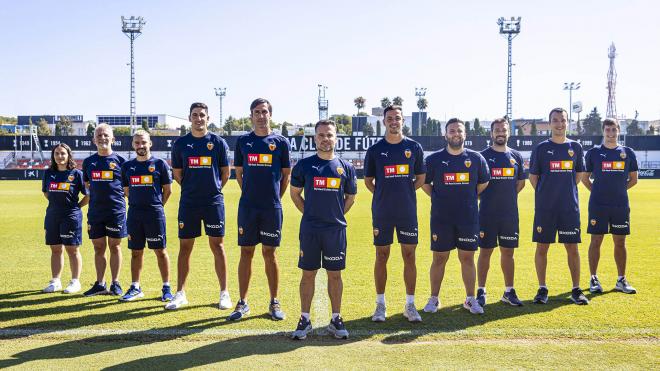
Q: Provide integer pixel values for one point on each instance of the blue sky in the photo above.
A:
(70, 57)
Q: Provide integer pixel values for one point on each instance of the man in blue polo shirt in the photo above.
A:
(106, 215)
(498, 210)
(148, 185)
(555, 169)
(455, 176)
(614, 170)
(200, 164)
(329, 184)
(262, 164)
(394, 169)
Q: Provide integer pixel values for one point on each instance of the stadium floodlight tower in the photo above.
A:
(611, 84)
(323, 103)
(132, 28)
(420, 93)
(570, 86)
(510, 29)
(220, 93)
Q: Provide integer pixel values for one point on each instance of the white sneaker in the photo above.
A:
(53, 285)
(225, 300)
(178, 301)
(411, 313)
(72, 287)
(473, 306)
(380, 313)
(432, 305)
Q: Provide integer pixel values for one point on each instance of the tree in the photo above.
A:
(341, 119)
(145, 125)
(478, 129)
(519, 131)
(533, 130)
(182, 130)
(378, 128)
(42, 127)
(368, 130)
(592, 124)
(578, 128)
(90, 129)
(228, 125)
(285, 131)
(122, 131)
(634, 128)
(385, 102)
(468, 128)
(422, 103)
(651, 130)
(64, 126)
(397, 101)
(359, 103)
(406, 130)
(213, 128)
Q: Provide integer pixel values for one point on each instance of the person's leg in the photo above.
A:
(468, 270)
(508, 265)
(56, 261)
(183, 262)
(594, 253)
(483, 265)
(437, 271)
(163, 259)
(620, 253)
(380, 268)
(272, 269)
(136, 264)
(217, 246)
(245, 270)
(541, 261)
(335, 290)
(100, 262)
(573, 257)
(75, 260)
(409, 267)
(307, 290)
(114, 245)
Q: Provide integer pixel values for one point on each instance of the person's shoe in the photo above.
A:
(623, 286)
(432, 305)
(577, 296)
(337, 328)
(132, 294)
(380, 313)
(595, 286)
(97, 289)
(275, 310)
(53, 285)
(481, 297)
(473, 306)
(178, 301)
(541, 296)
(511, 298)
(304, 328)
(411, 313)
(225, 300)
(72, 287)
(115, 289)
(167, 293)
(242, 309)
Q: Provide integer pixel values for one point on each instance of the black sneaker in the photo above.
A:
(97, 289)
(577, 296)
(481, 297)
(337, 328)
(115, 289)
(304, 328)
(595, 286)
(541, 296)
(511, 298)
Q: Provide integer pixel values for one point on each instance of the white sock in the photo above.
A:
(410, 299)
(482, 288)
(543, 287)
(73, 280)
(469, 297)
(102, 283)
(508, 289)
(620, 278)
(576, 287)
(55, 279)
(136, 284)
(166, 283)
(334, 316)
(224, 291)
(306, 315)
(380, 298)
(594, 277)
(435, 298)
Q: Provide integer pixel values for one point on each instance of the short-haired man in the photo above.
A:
(329, 184)
(614, 169)
(394, 170)
(555, 169)
(498, 211)
(147, 182)
(455, 176)
(200, 164)
(263, 166)
(106, 215)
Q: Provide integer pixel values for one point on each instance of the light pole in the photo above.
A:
(132, 28)
(220, 93)
(570, 86)
(420, 93)
(510, 29)
(322, 102)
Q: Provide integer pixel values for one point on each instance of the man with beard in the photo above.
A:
(148, 185)
(455, 176)
(330, 186)
(555, 169)
(498, 211)
(394, 169)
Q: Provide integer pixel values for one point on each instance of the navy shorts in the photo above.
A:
(325, 249)
(257, 226)
(63, 229)
(190, 221)
(113, 226)
(498, 231)
(146, 228)
(614, 220)
(406, 233)
(446, 237)
(547, 224)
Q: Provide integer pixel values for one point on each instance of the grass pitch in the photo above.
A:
(70, 331)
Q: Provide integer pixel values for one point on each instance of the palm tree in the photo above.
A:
(422, 103)
(385, 102)
(359, 103)
(397, 101)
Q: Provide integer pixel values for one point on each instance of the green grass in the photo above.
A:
(51, 330)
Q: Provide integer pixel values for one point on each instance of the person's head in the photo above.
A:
(198, 117)
(260, 114)
(61, 155)
(611, 128)
(393, 117)
(103, 137)
(499, 131)
(558, 120)
(326, 135)
(142, 142)
(455, 133)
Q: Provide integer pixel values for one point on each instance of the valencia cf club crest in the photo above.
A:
(539, 229)
(481, 234)
(376, 231)
(512, 161)
(181, 225)
(408, 153)
(152, 168)
(113, 165)
(271, 146)
(340, 170)
(593, 222)
(435, 237)
(622, 155)
(240, 230)
(468, 163)
(70, 178)
(209, 145)
(570, 152)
